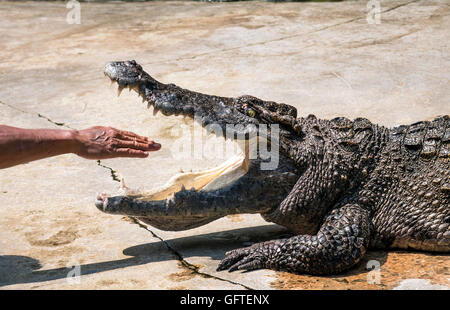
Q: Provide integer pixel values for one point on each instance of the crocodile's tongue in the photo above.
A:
(206, 180)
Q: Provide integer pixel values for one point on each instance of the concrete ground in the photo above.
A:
(323, 58)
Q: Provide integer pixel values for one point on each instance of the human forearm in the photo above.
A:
(20, 145)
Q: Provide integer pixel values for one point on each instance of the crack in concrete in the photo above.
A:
(115, 175)
(59, 124)
(399, 6)
(54, 122)
(185, 264)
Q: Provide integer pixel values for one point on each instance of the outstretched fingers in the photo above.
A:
(136, 145)
(107, 142)
(127, 152)
(128, 135)
(129, 144)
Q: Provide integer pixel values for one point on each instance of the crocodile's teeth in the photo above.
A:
(122, 184)
(119, 90)
(171, 200)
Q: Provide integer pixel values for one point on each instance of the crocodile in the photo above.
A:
(341, 186)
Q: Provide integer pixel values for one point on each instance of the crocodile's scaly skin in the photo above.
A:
(371, 188)
(344, 185)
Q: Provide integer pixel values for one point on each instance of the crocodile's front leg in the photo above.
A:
(339, 244)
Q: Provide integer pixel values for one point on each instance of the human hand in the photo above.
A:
(106, 142)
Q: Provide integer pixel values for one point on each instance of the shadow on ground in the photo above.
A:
(22, 269)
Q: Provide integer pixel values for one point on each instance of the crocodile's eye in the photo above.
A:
(251, 112)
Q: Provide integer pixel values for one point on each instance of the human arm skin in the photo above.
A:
(18, 145)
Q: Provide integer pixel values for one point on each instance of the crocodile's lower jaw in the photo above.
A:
(205, 180)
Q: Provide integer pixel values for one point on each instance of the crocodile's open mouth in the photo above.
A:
(206, 180)
(251, 181)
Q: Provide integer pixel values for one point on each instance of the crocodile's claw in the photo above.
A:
(249, 258)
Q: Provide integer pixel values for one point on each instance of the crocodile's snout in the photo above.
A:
(111, 70)
(101, 202)
(126, 73)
